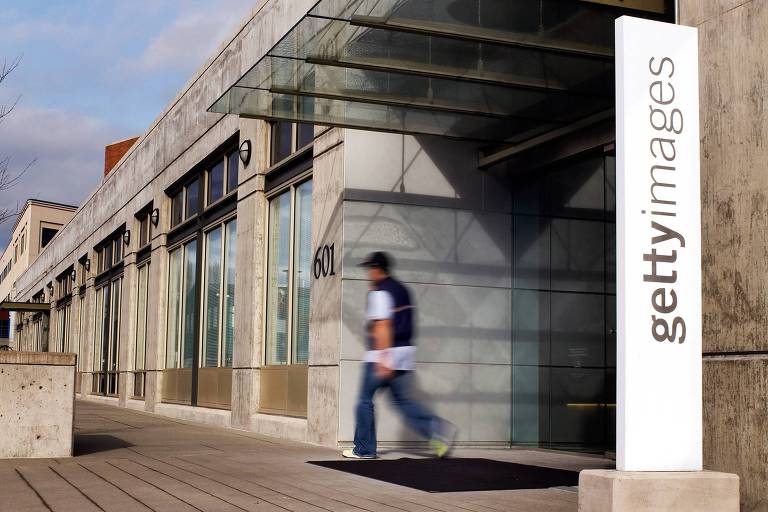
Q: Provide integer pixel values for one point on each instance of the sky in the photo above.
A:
(94, 72)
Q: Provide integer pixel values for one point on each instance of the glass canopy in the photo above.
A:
(492, 70)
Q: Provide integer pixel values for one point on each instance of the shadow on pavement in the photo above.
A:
(86, 444)
(456, 475)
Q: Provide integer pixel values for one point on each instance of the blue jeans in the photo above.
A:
(401, 385)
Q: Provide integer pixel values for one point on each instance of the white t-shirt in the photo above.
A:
(381, 306)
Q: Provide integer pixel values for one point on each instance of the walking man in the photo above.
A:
(389, 364)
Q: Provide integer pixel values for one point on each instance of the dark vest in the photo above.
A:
(402, 323)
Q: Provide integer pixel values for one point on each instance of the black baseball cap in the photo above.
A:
(377, 259)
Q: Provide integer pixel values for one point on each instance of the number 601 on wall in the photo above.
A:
(324, 263)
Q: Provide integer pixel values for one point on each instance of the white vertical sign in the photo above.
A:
(658, 224)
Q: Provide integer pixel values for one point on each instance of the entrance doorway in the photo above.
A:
(563, 305)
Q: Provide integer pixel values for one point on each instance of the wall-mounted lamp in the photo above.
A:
(87, 265)
(73, 275)
(127, 237)
(155, 217)
(245, 152)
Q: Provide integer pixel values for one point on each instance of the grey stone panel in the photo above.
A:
(429, 244)
(475, 397)
(454, 324)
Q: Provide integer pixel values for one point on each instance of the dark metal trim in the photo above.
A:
(144, 253)
(231, 144)
(289, 170)
(197, 223)
(111, 273)
(117, 233)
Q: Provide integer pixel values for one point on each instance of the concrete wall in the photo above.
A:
(734, 128)
(37, 406)
(448, 226)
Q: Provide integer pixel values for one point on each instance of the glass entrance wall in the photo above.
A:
(563, 307)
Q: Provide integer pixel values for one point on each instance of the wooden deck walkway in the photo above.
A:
(136, 462)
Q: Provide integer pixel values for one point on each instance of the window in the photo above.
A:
(192, 194)
(201, 285)
(233, 166)
(64, 284)
(110, 251)
(81, 366)
(181, 302)
(288, 138)
(288, 276)
(107, 338)
(216, 180)
(82, 274)
(145, 229)
(63, 314)
(140, 353)
(47, 235)
(177, 208)
(219, 295)
(215, 183)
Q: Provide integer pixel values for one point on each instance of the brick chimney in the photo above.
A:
(115, 151)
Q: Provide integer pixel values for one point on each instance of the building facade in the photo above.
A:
(213, 274)
(36, 225)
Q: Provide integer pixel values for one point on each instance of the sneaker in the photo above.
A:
(440, 447)
(442, 443)
(350, 454)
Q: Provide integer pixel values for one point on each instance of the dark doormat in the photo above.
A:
(456, 475)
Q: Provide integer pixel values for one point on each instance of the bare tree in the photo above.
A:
(9, 178)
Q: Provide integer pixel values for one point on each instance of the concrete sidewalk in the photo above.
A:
(132, 461)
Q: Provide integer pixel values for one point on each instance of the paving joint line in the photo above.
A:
(39, 496)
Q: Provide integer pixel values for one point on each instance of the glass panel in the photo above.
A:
(114, 352)
(193, 199)
(80, 334)
(530, 404)
(212, 298)
(530, 333)
(144, 231)
(216, 182)
(174, 309)
(302, 268)
(277, 278)
(532, 252)
(282, 143)
(118, 252)
(305, 134)
(190, 313)
(578, 411)
(233, 166)
(377, 116)
(105, 328)
(177, 208)
(107, 261)
(229, 291)
(578, 330)
(578, 255)
(141, 319)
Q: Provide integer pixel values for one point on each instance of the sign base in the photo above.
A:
(629, 491)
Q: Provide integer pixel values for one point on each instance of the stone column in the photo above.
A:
(249, 287)
(326, 296)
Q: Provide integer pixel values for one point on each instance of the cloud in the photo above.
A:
(40, 29)
(69, 152)
(193, 36)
